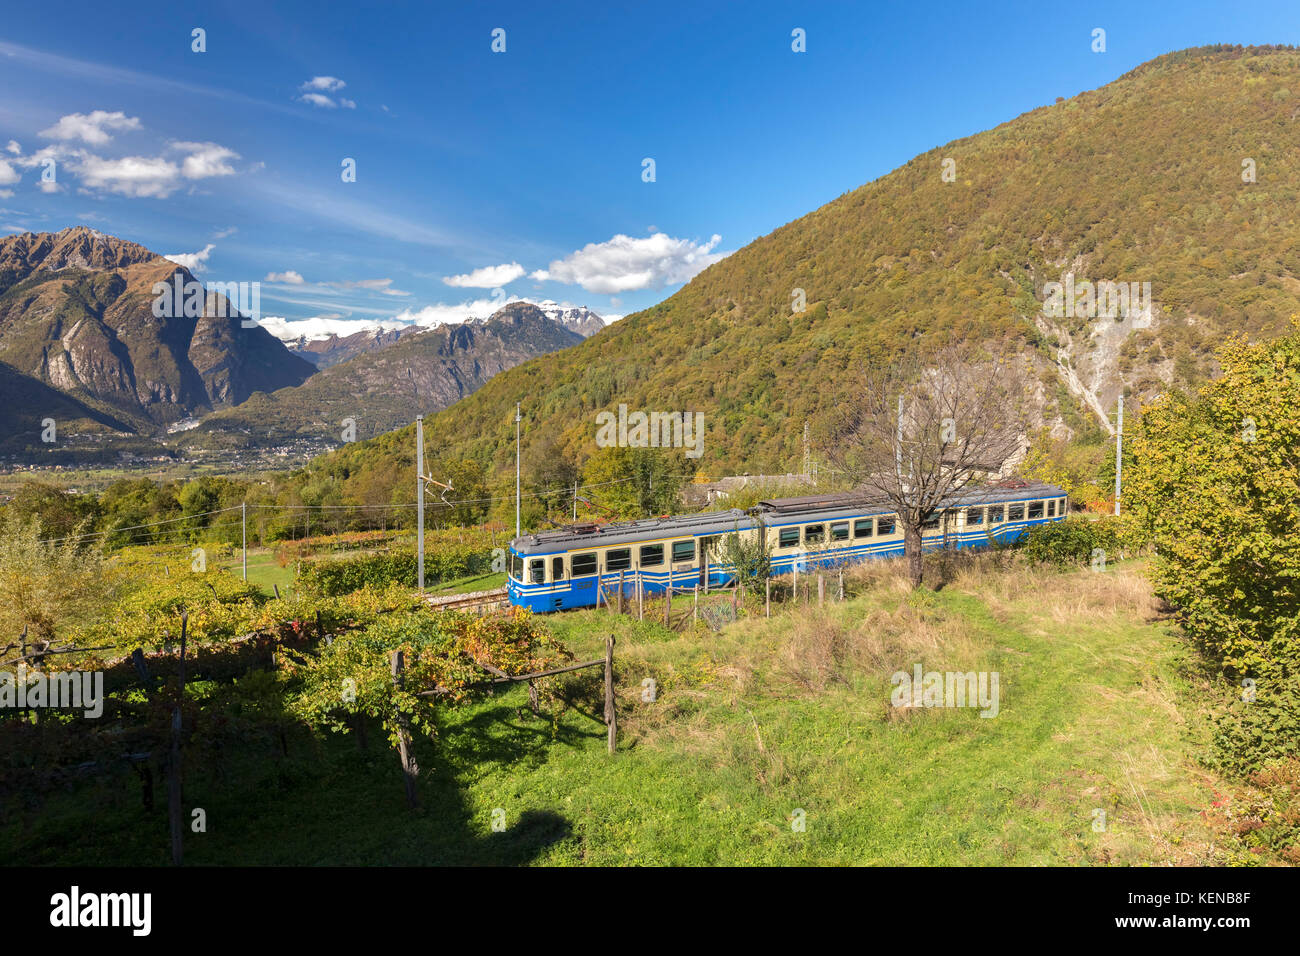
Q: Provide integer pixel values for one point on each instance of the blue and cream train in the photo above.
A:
(552, 570)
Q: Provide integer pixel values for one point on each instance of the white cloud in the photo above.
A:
(137, 176)
(90, 128)
(225, 233)
(318, 99)
(488, 277)
(328, 84)
(289, 277)
(625, 264)
(194, 261)
(205, 160)
(322, 326)
(8, 175)
(13, 148)
(347, 104)
(154, 177)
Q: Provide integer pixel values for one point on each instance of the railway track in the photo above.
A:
(482, 602)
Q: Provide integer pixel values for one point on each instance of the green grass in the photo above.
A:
(263, 570)
(750, 726)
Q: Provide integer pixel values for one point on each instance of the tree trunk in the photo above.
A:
(912, 549)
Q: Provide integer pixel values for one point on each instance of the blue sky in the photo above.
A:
(526, 164)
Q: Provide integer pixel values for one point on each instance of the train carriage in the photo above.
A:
(554, 570)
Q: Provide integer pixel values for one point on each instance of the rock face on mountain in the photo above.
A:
(333, 349)
(381, 389)
(578, 319)
(77, 314)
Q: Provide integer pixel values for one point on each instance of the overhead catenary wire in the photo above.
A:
(90, 535)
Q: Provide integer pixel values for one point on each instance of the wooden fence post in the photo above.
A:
(695, 604)
(841, 597)
(620, 591)
(640, 596)
(409, 770)
(174, 757)
(821, 590)
(668, 606)
(767, 597)
(611, 718)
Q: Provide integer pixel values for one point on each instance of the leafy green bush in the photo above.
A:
(1074, 540)
(1256, 733)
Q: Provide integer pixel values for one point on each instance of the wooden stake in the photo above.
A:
(620, 591)
(821, 590)
(695, 604)
(767, 597)
(611, 718)
(174, 757)
(409, 770)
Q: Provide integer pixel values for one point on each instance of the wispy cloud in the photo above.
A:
(314, 92)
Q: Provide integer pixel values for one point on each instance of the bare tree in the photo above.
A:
(918, 431)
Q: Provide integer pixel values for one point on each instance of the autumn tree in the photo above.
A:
(920, 429)
(1216, 483)
(45, 583)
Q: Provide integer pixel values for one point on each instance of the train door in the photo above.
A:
(706, 545)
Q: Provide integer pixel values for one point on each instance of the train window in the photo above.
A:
(652, 555)
(884, 526)
(684, 550)
(812, 533)
(1016, 512)
(840, 531)
(995, 514)
(789, 538)
(863, 527)
(1060, 506)
(516, 566)
(1035, 510)
(584, 563)
(1051, 508)
(974, 516)
(619, 559)
(932, 523)
(537, 571)
(557, 568)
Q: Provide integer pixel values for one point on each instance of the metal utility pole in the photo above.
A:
(419, 501)
(1119, 448)
(243, 521)
(518, 419)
